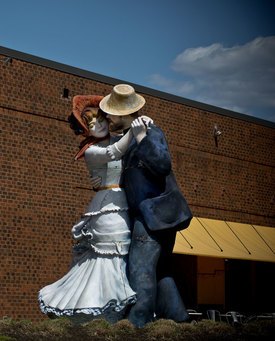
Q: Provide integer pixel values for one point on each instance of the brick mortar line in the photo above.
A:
(216, 157)
(174, 147)
(33, 113)
(233, 211)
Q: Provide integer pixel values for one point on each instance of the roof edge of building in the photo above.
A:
(145, 90)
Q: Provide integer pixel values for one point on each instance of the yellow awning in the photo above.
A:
(219, 238)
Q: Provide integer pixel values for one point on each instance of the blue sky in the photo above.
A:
(220, 52)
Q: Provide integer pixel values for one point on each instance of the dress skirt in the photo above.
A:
(97, 281)
(92, 286)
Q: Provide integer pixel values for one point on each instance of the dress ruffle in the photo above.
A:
(113, 305)
(105, 225)
(104, 210)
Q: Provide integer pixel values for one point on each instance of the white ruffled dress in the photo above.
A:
(96, 283)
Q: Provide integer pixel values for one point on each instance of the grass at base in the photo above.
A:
(161, 330)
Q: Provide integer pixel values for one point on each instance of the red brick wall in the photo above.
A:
(40, 195)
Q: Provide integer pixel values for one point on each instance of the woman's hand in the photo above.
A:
(147, 120)
(139, 129)
(96, 182)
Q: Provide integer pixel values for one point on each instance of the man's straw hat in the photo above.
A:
(122, 101)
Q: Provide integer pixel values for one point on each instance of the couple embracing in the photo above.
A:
(122, 259)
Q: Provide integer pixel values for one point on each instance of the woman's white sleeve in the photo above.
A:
(118, 149)
(112, 152)
(98, 154)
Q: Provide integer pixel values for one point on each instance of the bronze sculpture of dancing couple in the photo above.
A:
(121, 263)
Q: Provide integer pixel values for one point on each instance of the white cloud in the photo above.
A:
(184, 87)
(239, 78)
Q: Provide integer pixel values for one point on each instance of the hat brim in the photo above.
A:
(106, 106)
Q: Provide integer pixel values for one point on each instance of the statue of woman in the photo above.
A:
(96, 284)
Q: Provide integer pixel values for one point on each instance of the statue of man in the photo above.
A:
(157, 207)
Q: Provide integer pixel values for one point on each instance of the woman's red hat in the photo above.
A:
(80, 103)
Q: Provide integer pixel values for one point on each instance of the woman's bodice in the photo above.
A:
(99, 163)
(105, 225)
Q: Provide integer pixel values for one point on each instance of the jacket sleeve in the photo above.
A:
(154, 153)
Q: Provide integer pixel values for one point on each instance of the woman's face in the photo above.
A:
(100, 128)
(97, 124)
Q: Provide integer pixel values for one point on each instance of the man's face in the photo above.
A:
(116, 123)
